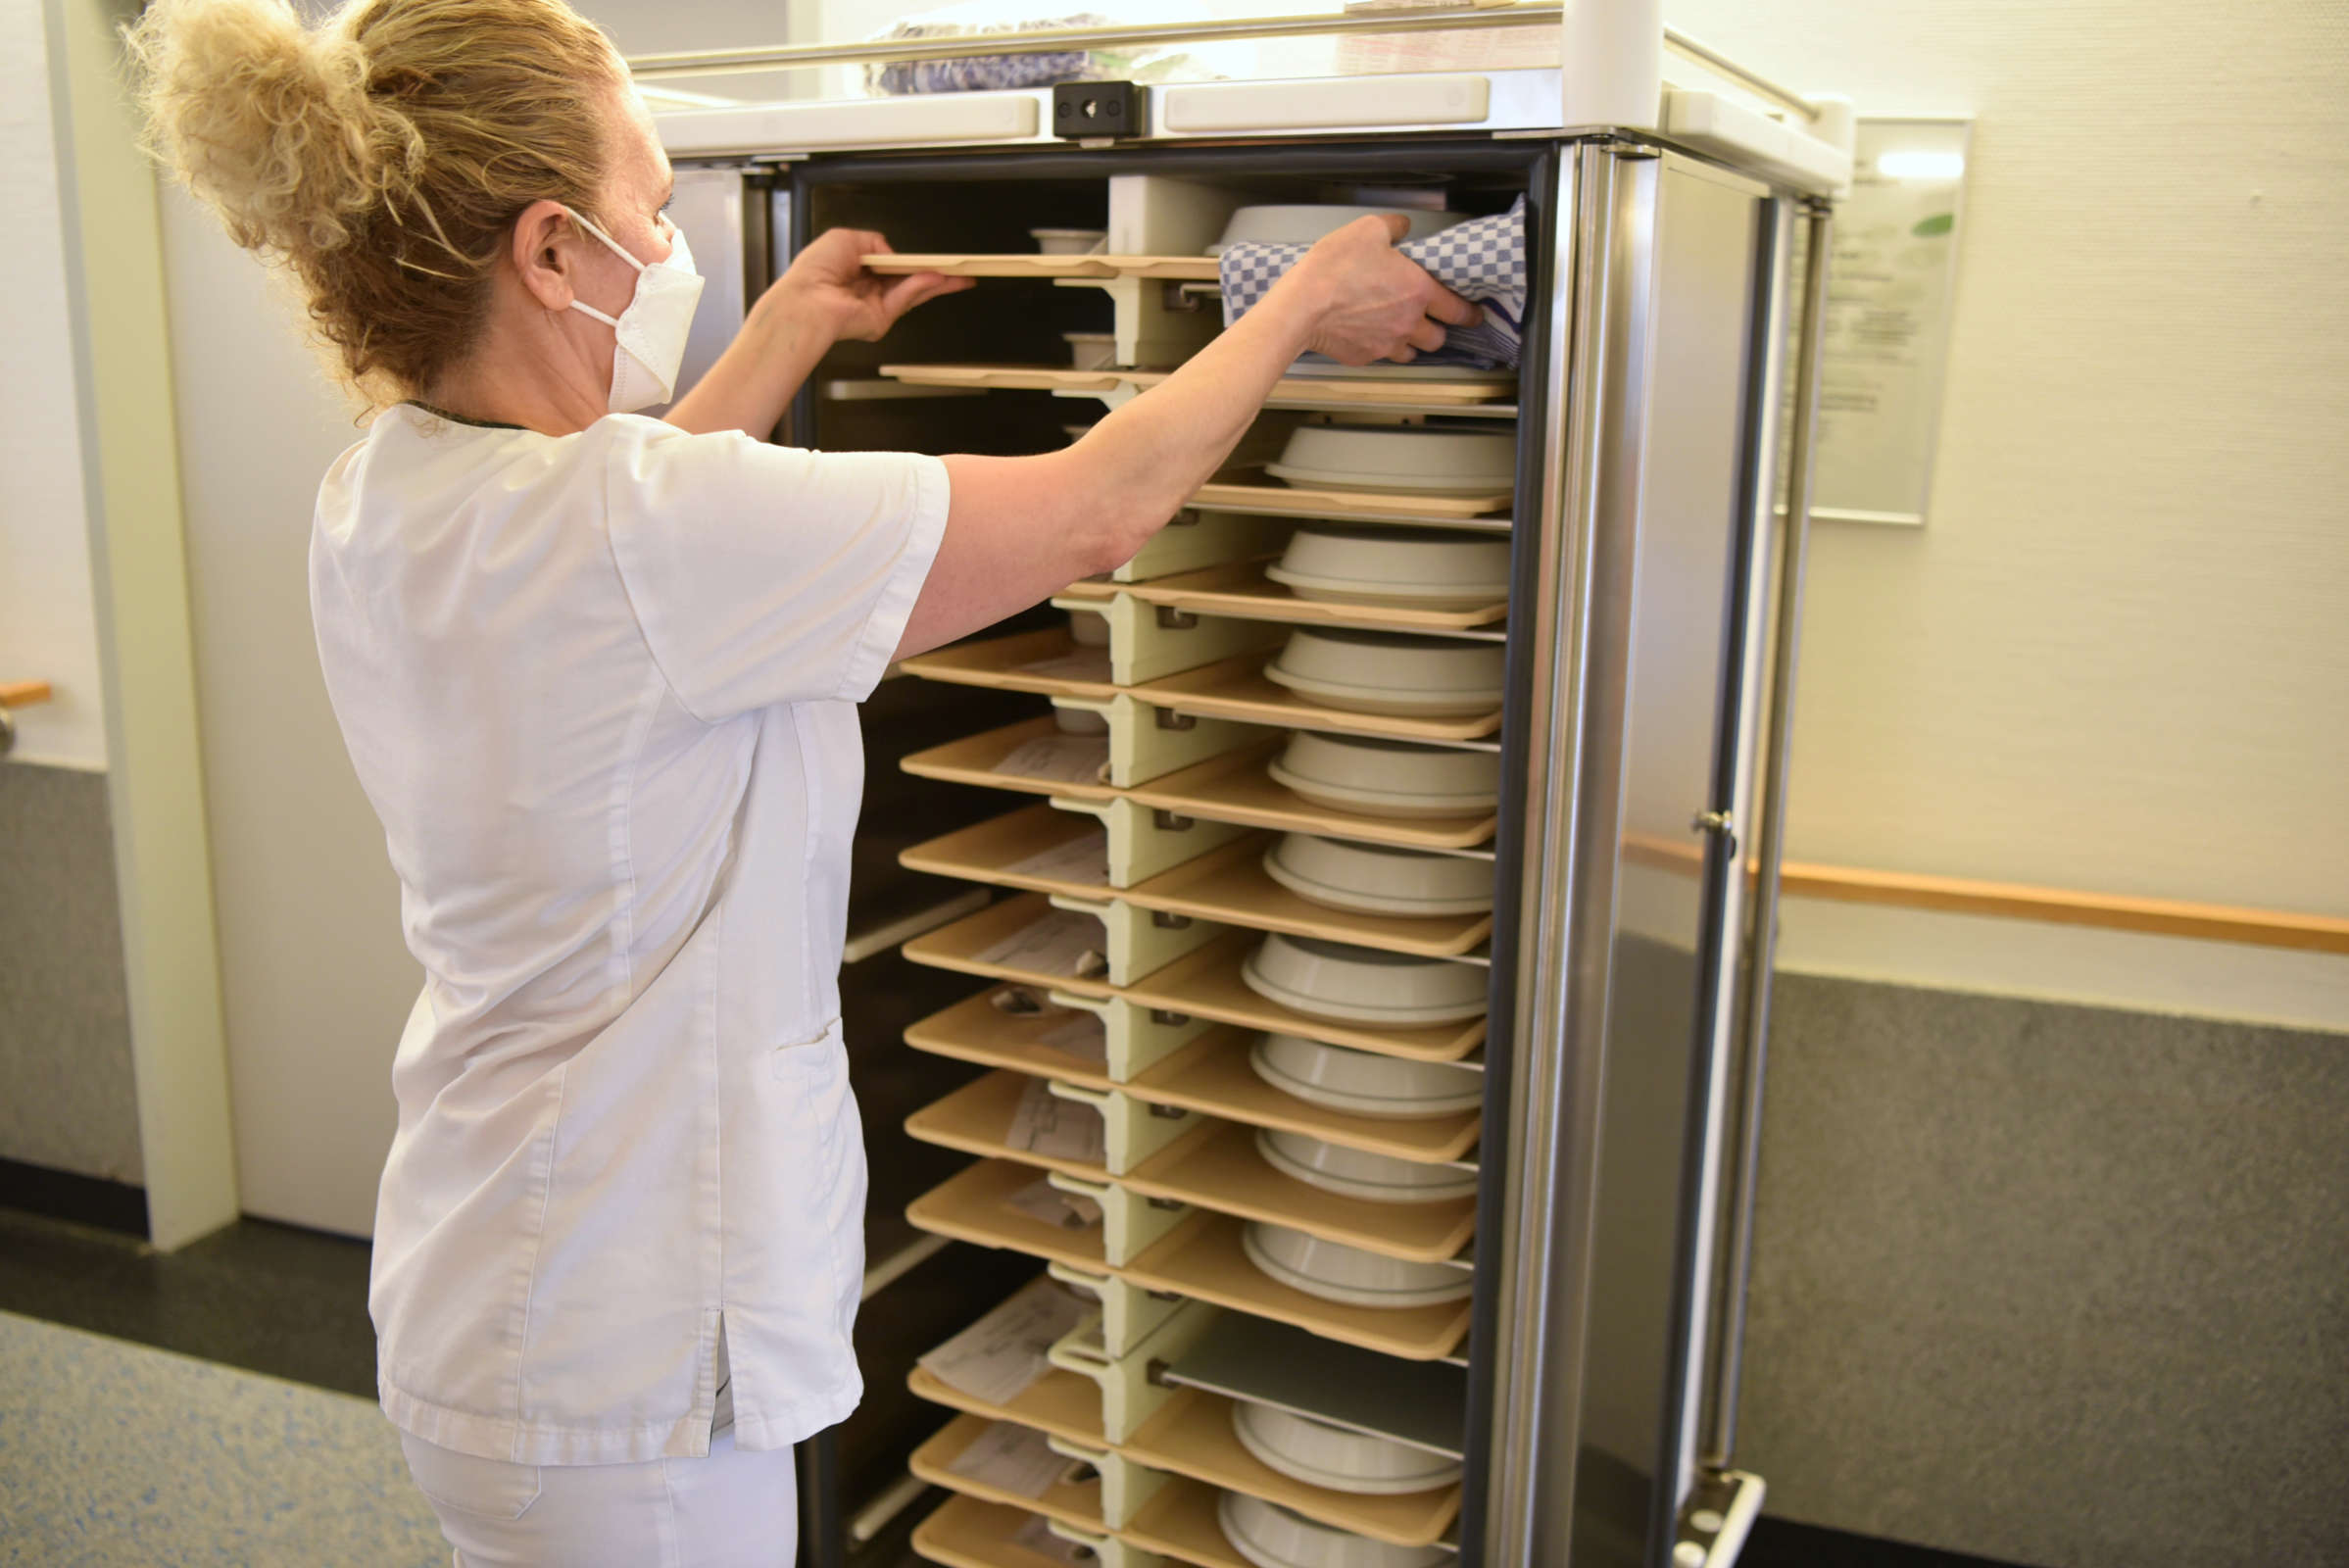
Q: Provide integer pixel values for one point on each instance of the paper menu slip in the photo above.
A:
(1039, 1199)
(1058, 1129)
(1080, 1035)
(998, 1358)
(1062, 942)
(1064, 758)
(1086, 663)
(1038, 1537)
(1083, 859)
(1011, 1458)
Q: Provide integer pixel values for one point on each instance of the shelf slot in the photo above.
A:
(1045, 850)
(1297, 500)
(1191, 1435)
(1074, 1500)
(1192, 1064)
(1218, 1167)
(1240, 590)
(1131, 1383)
(1208, 984)
(1204, 1260)
(1238, 690)
(1422, 1404)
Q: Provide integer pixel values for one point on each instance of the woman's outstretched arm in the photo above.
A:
(1019, 529)
(825, 296)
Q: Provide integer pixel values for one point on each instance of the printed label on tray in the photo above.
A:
(1080, 1035)
(1041, 1201)
(998, 1358)
(1083, 861)
(1062, 759)
(1062, 942)
(1056, 1128)
(1091, 664)
(1011, 1458)
(1038, 1537)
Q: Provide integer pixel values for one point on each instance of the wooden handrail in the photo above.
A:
(22, 693)
(2016, 900)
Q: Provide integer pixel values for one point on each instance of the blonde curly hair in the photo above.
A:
(384, 157)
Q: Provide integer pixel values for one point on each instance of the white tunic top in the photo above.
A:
(600, 689)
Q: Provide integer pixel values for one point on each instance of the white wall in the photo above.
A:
(315, 981)
(48, 630)
(2117, 658)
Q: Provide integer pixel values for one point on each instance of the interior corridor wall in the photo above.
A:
(70, 1098)
(48, 619)
(315, 980)
(2115, 658)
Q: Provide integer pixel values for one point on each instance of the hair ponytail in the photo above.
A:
(383, 155)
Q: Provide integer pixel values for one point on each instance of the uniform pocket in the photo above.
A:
(809, 1060)
(489, 1488)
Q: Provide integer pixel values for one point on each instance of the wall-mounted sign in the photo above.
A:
(1889, 289)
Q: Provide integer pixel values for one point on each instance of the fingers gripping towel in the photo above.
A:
(1481, 260)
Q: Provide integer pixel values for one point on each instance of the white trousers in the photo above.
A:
(730, 1510)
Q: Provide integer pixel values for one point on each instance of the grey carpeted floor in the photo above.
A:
(114, 1455)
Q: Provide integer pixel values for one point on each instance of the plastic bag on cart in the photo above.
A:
(1000, 73)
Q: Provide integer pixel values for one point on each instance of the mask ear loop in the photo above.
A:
(617, 250)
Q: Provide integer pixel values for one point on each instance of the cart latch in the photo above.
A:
(1090, 111)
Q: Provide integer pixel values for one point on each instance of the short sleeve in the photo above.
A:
(764, 574)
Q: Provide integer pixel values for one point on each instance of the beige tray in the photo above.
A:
(975, 1029)
(976, 1117)
(958, 264)
(1191, 1435)
(1235, 787)
(1076, 1503)
(972, 761)
(1296, 501)
(1206, 984)
(1202, 1258)
(1235, 688)
(1231, 887)
(1230, 788)
(1199, 1259)
(1339, 390)
(992, 851)
(1180, 1521)
(997, 661)
(1212, 1074)
(972, 1206)
(1242, 590)
(1216, 1166)
(966, 1533)
(960, 945)
(1062, 1403)
(1319, 391)
(1228, 886)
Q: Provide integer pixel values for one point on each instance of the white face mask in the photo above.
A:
(653, 328)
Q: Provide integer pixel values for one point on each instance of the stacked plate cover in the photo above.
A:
(1390, 672)
(1405, 568)
(1412, 458)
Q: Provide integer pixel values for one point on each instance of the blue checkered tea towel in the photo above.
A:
(1481, 260)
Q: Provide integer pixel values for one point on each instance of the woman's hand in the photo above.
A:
(1372, 302)
(828, 283)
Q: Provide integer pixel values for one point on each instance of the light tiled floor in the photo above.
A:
(113, 1454)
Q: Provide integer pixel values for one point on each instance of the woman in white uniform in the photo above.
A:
(597, 675)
